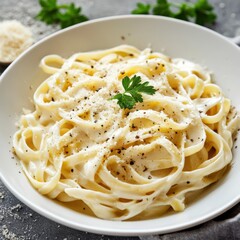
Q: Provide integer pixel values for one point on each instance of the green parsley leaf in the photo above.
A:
(65, 15)
(128, 101)
(142, 9)
(71, 16)
(48, 4)
(204, 13)
(134, 82)
(162, 8)
(133, 89)
(186, 12)
(49, 11)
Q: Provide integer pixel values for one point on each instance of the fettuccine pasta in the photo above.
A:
(78, 144)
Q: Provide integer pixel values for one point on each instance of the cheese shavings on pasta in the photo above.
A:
(79, 145)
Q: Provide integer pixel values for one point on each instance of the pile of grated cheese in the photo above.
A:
(14, 39)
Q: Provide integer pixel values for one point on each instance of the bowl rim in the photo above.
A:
(108, 230)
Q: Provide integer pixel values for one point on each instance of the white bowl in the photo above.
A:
(175, 38)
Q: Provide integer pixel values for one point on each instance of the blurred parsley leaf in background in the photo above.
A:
(66, 14)
(200, 12)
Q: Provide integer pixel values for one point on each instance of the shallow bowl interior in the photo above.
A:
(174, 38)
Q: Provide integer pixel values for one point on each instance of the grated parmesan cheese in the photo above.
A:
(14, 39)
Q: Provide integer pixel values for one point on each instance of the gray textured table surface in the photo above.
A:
(18, 221)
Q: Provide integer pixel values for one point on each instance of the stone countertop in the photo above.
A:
(17, 221)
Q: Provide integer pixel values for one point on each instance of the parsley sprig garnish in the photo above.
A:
(132, 94)
(200, 12)
(65, 14)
